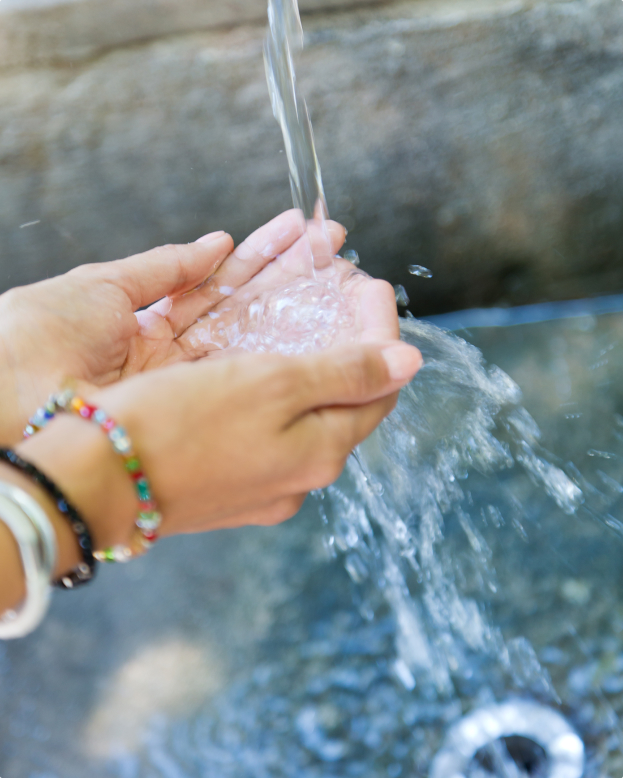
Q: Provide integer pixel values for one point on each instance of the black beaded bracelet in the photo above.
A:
(86, 569)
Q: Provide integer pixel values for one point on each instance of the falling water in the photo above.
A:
(458, 419)
(314, 309)
(284, 39)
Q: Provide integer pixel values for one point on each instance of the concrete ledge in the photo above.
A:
(482, 140)
(67, 31)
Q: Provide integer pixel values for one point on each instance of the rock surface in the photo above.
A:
(69, 30)
(479, 139)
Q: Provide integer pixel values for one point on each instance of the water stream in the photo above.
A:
(313, 308)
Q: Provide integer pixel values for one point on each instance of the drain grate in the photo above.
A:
(517, 739)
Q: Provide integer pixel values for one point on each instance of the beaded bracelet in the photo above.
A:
(149, 518)
(86, 569)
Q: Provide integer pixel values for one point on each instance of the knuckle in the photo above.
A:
(345, 434)
(292, 507)
(178, 260)
(13, 298)
(384, 287)
(87, 271)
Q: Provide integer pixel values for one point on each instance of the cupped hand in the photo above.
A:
(85, 324)
(88, 324)
(213, 460)
(271, 262)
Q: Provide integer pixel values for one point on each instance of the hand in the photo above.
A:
(84, 324)
(213, 460)
(252, 287)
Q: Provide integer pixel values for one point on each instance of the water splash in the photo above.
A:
(404, 484)
(402, 298)
(458, 417)
(302, 316)
(375, 686)
(421, 271)
(352, 256)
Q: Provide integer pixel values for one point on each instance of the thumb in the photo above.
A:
(355, 375)
(168, 270)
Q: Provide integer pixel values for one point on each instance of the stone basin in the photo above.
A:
(245, 653)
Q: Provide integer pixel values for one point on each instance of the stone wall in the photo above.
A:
(65, 31)
(481, 139)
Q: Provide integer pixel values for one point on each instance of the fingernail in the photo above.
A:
(402, 361)
(210, 237)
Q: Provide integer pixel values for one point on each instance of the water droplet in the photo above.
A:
(402, 298)
(601, 454)
(353, 257)
(421, 271)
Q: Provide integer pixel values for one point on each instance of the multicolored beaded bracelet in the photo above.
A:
(149, 518)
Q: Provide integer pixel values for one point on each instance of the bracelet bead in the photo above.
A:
(149, 518)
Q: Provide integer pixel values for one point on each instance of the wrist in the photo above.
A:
(78, 457)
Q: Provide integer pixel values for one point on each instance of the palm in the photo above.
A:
(83, 325)
(194, 326)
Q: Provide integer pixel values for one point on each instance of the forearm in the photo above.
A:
(11, 421)
(12, 583)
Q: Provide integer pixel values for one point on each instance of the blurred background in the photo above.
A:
(479, 138)
(482, 139)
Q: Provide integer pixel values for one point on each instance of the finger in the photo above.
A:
(352, 375)
(327, 437)
(286, 234)
(283, 237)
(243, 263)
(167, 270)
(342, 429)
(325, 238)
(316, 247)
(261, 247)
(378, 312)
(294, 263)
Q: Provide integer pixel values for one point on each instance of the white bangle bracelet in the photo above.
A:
(35, 537)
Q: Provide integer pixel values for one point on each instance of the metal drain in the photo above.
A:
(517, 739)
